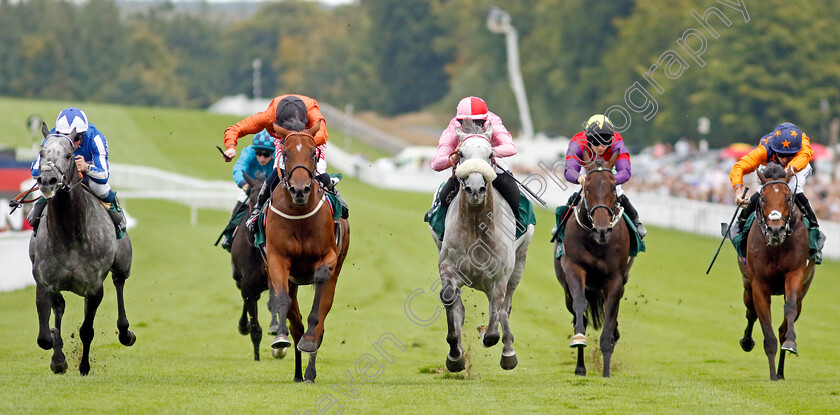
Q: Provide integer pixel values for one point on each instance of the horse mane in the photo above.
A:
(469, 127)
(774, 171)
(293, 124)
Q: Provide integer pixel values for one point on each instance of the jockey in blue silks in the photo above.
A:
(257, 161)
(91, 151)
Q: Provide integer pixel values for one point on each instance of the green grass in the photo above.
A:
(678, 352)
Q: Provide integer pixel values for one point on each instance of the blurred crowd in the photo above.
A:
(692, 171)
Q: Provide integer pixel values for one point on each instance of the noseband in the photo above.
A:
(287, 173)
(615, 215)
(762, 220)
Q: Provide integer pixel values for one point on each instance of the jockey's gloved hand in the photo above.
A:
(739, 199)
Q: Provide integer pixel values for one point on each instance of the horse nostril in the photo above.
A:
(307, 189)
(482, 189)
(609, 230)
(52, 181)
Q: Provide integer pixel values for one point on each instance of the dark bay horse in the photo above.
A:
(777, 264)
(596, 263)
(252, 279)
(301, 247)
(479, 249)
(74, 250)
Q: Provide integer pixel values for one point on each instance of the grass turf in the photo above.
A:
(678, 352)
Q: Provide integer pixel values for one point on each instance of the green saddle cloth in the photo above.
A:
(637, 244)
(436, 217)
(740, 240)
(259, 237)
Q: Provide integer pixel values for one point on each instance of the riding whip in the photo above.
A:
(534, 195)
(737, 209)
(21, 199)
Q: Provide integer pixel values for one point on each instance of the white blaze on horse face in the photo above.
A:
(298, 147)
(774, 215)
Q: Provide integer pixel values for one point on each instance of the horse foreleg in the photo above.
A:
(614, 290)
(126, 336)
(43, 304)
(747, 343)
(242, 325)
(761, 300)
(496, 302)
(254, 323)
(296, 327)
(322, 278)
(450, 296)
(86, 331)
(58, 364)
(576, 285)
(278, 274)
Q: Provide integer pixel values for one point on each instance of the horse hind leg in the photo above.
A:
(761, 299)
(273, 309)
(254, 324)
(126, 336)
(496, 300)
(86, 331)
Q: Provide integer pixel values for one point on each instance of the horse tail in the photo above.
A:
(595, 311)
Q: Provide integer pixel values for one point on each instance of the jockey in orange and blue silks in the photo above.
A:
(599, 139)
(788, 146)
(91, 153)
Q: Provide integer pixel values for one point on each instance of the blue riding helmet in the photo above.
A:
(786, 138)
(263, 141)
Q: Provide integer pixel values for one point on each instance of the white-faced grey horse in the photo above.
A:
(74, 249)
(479, 249)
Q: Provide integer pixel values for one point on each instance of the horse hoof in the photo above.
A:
(280, 342)
(747, 344)
(272, 330)
(84, 369)
(58, 368)
(580, 372)
(243, 330)
(307, 346)
(455, 366)
(790, 346)
(279, 353)
(488, 340)
(128, 339)
(578, 340)
(309, 381)
(508, 362)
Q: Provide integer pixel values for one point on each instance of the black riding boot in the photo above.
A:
(115, 211)
(633, 214)
(265, 192)
(445, 195)
(803, 203)
(507, 186)
(227, 233)
(325, 179)
(35, 214)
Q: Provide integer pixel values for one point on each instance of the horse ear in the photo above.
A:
(614, 159)
(761, 178)
(489, 131)
(788, 174)
(280, 130)
(248, 179)
(44, 130)
(315, 128)
(460, 133)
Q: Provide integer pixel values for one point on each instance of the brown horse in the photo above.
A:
(301, 247)
(777, 263)
(596, 262)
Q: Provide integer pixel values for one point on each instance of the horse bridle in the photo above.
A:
(615, 216)
(287, 173)
(50, 165)
(458, 151)
(762, 220)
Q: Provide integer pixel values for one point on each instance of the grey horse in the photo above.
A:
(479, 249)
(74, 249)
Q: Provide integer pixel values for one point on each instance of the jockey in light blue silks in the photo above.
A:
(257, 161)
(91, 160)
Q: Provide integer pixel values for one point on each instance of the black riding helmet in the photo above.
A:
(290, 107)
(599, 130)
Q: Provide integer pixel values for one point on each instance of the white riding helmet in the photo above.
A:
(69, 119)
